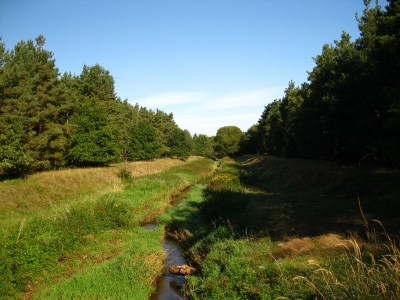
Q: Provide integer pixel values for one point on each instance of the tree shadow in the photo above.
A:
(286, 197)
(309, 198)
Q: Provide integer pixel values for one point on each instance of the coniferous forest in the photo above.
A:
(348, 111)
(49, 121)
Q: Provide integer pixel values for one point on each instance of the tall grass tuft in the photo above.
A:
(364, 271)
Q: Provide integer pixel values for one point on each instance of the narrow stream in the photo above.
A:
(168, 285)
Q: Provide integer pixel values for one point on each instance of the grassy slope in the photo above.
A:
(98, 244)
(22, 197)
(272, 227)
(259, 229)
(314, 197)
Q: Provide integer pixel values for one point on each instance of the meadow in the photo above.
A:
(257, 227)
(86, 242)
(22, 197)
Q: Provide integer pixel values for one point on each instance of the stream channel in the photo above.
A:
(168, 285)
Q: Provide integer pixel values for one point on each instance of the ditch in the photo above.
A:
(168, 285)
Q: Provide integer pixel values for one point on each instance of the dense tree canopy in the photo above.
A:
(181, 144)
(13, 159)
(93, 142)
(48, 121)
(349, 110)
(144, 143)
(29, 89)
(227, 140)
(202, 145)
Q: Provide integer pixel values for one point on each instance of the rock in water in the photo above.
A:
(181, 270)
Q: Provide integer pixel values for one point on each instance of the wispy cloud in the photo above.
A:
(205, 113)
(210, 125)
(223, 119)
(171, 98)
(245, 98)
(207, 101)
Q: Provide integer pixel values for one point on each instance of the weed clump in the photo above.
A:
(123, 173)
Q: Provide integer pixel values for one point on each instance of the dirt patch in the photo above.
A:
(89, 236)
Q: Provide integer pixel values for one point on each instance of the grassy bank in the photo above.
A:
(267, 227)
(21, 198)
(93, 249)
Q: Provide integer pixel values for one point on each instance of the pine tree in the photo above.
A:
(166, 128)
(386, 75)
(251, 141)
(30, 92)
(96, 82)
(290, 109)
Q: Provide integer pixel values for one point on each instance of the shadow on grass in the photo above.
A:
(309, 198)
(286, 197)
(246, 229)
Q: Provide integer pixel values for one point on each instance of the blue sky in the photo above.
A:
(212, 63)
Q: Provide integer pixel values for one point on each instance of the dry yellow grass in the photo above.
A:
(375, 276)
(141, 168)
(57, 188)
(295, 246)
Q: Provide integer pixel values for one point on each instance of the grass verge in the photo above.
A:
(70, 251)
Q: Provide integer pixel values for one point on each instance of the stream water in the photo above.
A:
(168, 285)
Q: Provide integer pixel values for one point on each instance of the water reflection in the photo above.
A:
(150, 226)
(168, 285)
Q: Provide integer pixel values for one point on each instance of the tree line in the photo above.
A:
(50, 121)
(349, 110)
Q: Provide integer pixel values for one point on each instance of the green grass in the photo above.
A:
(62, 251)
(130, 275)
(238, 230)
(259, 228)
(22, 198)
